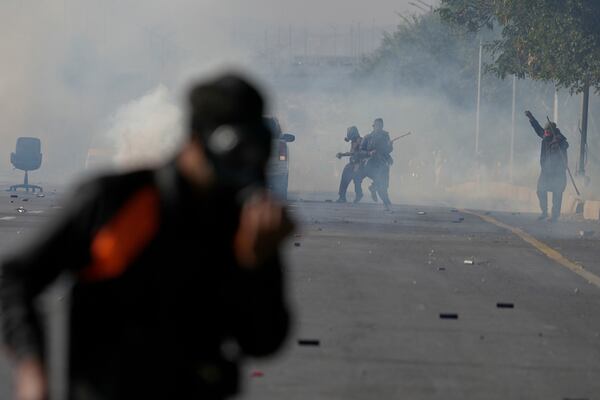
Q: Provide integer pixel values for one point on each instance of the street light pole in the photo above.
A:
(555, 116)
(585, 102)
(512, 133)
(478, 102)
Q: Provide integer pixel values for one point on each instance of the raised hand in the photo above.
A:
(264, 224)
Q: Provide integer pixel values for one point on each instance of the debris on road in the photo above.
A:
(14, 196)
(309, 342)
(297, 244)
(41, 195)
(441, 268)
(421, 213)
(25, 199)
(448, 316)
(585, 234)
(454, 210)
(576, 290)
(469, 262)
(328, 201)
(505, 305)
(21, 210)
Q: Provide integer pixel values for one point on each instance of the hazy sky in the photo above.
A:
(323, 12)
(69, 65)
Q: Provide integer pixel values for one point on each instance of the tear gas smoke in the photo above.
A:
(147, 130)
(84, 74)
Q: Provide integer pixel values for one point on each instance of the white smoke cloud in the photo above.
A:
(147, 130)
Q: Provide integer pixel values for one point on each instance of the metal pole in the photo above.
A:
(478, 102)
(512, 133)
(555, 114)
(585, 102)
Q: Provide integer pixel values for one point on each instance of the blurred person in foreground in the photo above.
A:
(176, 270)
(553, 160)
(378, 147)
(352, 171)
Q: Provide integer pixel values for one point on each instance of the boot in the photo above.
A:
(358, 198)
(341, 199)
(373, 193)
(542, 217)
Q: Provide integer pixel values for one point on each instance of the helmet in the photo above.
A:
(351, 134)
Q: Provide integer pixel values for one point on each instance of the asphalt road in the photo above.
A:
(369, 289)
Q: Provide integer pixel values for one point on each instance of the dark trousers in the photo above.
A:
(350, 175)
(380, 173)
(556, 202)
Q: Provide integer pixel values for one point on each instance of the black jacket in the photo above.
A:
(158, 295)
(381, 143)
(553, 152)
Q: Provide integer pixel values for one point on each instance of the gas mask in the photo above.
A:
(239, 154)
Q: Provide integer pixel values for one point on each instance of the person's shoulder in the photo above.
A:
(113, 183)
(122, 177)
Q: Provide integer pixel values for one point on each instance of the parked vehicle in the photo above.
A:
(278, 170)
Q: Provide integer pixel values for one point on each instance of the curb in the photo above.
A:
(525, 198)
(591, 210)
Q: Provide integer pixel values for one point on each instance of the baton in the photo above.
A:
(400, 137)
(564, 158)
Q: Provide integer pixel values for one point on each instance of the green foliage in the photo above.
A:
(425, 52)
(549, 40)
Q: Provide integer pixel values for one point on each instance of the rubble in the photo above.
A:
(505, 305)
(448, 316)
(469, 262)
(309, 342)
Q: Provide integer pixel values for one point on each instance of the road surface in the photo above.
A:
(386, 308)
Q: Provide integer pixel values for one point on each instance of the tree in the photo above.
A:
(547, 40)
(424, 53)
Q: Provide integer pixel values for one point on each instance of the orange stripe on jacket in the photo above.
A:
(124, 237)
